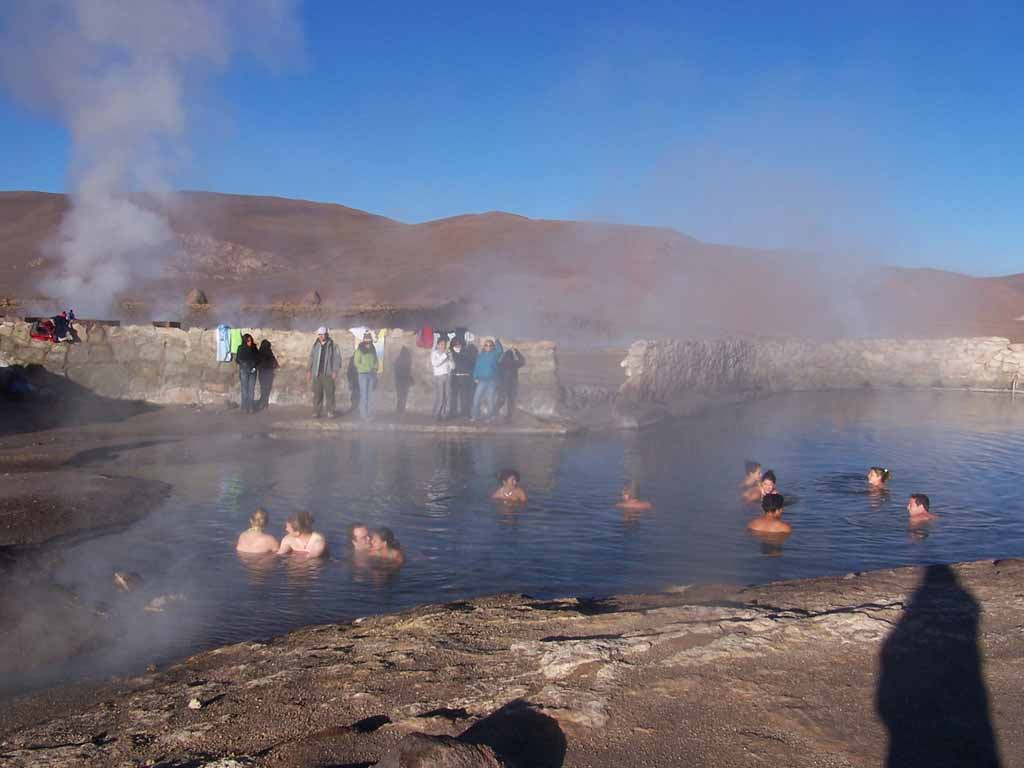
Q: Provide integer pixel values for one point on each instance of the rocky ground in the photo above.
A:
(909, 666)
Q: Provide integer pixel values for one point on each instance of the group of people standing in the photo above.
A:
(255, 364)
(467, 382)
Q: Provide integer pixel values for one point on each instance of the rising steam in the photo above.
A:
(119, 76)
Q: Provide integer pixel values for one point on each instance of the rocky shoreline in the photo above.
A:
(920, 666)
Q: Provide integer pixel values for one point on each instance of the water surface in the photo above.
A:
(962, 449)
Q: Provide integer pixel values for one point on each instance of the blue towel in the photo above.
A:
(223, 343)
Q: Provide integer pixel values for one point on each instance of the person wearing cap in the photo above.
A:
(324, 364)
(365, 360)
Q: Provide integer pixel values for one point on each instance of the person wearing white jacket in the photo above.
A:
(442, 363)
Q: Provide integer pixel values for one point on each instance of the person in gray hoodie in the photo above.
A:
(324, 364)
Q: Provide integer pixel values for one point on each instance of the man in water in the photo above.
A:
(324, 364)
(770, 522)
(359, 536)
(918, 508)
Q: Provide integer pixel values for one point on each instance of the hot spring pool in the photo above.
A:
(962, 449)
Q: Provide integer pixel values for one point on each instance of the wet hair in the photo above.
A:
(258, 519)
(922, 499)
(769, 475)
(388, 537)
(751, 466)
(265, 345)
(772, 502)
(302, 522)
(505, 474)
(882, 472)
(246, 338)
(352, 528)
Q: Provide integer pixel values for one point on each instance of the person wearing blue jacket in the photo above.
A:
(485, 372)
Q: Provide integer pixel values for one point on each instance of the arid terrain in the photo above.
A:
(571, 281)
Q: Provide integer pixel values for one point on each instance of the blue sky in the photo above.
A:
(848, 128)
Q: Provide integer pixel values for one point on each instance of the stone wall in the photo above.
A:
(666, 369)
(174, 366)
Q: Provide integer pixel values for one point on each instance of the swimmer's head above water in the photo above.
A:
(359, 536)
(508, 477)
(768, 483)
(772, 504)
(751, 473)
(258, 520)
(878, 476)
(299, 524)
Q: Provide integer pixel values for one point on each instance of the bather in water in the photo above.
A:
(509, 491)
(770, 521)
(752, 474)
(762, 489)
(919, 509)
(877, 479)
(359, 537)
(383, 546)
(630, 502)
(301, 539)
(255, 540)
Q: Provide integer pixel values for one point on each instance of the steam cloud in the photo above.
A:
(119, 75)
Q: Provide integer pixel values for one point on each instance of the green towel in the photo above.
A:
(236, 340)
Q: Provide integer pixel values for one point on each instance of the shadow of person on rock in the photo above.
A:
(931, 692)
(521, 734)
(403, 378)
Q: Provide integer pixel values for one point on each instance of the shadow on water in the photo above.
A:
(931, 692)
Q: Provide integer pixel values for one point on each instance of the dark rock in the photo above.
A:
(311, 299)
(196, 297)
(418, 750)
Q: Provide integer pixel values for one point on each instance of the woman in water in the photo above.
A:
(630, 502)
(509, 491)
(877, 478)
(752, 474)
(762, 489)
(256, 541)
(384, 547)
(300, 537)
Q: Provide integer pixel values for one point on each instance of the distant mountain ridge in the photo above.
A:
(532, 276)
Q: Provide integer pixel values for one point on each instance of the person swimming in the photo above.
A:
(770, 522)
(752, 474)
(509, 491)
(765, 486)
(300, 537)
(631, 502)
(919, 509)
(878, 477)
(359, 537)
(255, 541)
(384, 546)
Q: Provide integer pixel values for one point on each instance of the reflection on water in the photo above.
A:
(963, 450)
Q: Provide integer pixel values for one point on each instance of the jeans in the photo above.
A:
(247, 379)
(323, 389)
(442, 396)
(367, 381)
(485, 389)
(461, 395)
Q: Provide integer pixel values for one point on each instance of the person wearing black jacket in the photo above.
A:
(248, 359)
(508, 381)
(266, 371)
(462, 385)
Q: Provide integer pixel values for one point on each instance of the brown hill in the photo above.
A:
(520, 276)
